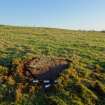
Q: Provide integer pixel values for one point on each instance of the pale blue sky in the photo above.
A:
(73, 14)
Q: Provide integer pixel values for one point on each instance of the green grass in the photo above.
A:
(19, 42)
(86, 49)
(24, 42)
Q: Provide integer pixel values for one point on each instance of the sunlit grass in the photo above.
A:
(81, 84)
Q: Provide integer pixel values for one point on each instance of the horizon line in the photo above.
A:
(57, 27)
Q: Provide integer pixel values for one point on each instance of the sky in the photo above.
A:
(70, 14)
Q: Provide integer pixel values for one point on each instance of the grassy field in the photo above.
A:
(86, 49)
(24, 42)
